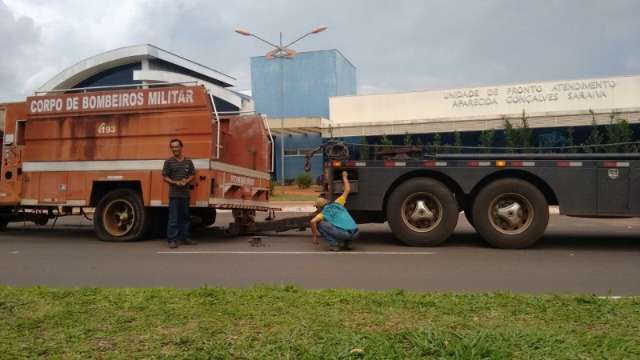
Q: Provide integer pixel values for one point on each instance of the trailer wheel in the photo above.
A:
(422, 212)
(121, 216)
(468, 214)
(510, 214)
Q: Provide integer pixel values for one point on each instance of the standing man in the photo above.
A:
(178, 171)
(334, 222)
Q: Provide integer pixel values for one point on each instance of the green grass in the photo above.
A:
(291, 323)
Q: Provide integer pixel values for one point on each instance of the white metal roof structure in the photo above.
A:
(151, 65)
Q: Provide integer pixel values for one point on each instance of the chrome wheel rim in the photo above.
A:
(511, 214)
(422, 212)
(119, 217)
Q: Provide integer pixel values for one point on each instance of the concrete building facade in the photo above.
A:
(560, 113)
(550, 107)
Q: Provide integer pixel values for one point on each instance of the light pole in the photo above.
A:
(281, 52)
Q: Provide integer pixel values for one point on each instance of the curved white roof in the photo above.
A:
(127, 55)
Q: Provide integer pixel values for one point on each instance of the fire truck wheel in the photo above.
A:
(510, 214)
(3, 224)
(206, 216)
(121, 216)
(422, 212)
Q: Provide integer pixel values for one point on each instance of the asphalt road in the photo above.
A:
(594, 256)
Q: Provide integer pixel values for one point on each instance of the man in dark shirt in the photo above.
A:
(178, 171)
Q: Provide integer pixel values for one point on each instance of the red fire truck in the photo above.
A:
(104, 148)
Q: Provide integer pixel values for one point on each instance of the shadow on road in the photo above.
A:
(465, 237)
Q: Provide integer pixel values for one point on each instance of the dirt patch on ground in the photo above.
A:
(314, 190)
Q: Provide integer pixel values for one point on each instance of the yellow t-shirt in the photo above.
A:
(340, 200)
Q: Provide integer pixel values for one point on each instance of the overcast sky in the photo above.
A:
(395, 45)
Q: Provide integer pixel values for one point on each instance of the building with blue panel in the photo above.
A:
(285, 89)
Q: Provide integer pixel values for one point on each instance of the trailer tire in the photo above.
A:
(121, 216)
(422, 212)
(468, 214)
(510, 214)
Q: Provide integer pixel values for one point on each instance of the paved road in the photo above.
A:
(576, 256)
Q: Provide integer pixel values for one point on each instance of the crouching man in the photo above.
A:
(334, 222)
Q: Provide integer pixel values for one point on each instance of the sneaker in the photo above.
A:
(173, 245)
(347, 246)
(188, 242)
(334, 248)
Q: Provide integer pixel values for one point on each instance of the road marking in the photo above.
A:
(292, 253)
(14, 252)
(616, 297)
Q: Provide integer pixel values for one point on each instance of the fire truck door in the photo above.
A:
(12, 147)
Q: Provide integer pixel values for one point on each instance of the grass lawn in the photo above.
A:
(288, 322)
(293, 197)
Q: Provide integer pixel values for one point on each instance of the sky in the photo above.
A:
(400, 45)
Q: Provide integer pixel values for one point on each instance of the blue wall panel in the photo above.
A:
(294, 164)
(306, 81)
(346, 82)
(300, 87)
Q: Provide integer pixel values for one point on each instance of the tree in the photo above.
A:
(436, 143)
(570, 142)
(594, 138)
(511, 135)
(407, 140)
(364, 149)
(524, 132)
(386, 142)
(457, 142)
(619, 131)
(486, 139)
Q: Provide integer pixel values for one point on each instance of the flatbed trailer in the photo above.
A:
(505, 197)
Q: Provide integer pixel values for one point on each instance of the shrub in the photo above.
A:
(595, 137)
(272, 186)
(304, 181)
(486, 139)
(619, 131)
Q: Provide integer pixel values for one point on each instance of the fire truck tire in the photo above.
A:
(207, 216)
(422, 212)
(121, 216)
(510, 214)
(3, 224)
